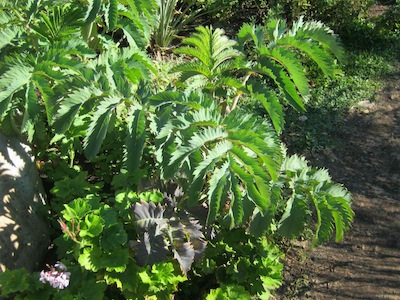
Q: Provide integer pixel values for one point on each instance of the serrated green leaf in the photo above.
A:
(31, 113)
(70, 107)
(325, 221)
(94, 259)
(216, 154)
(8, 34)
(112, 14)
(216, 195)
(228, 292)
(292, 65)
(11, 81)
(261, 223)
(278, 74)
(76, 209)
(127, 280)
(14, 281)
(196, 141)
(255, 143)
(92, 12)
(275, 109)
(293, 221)
(99, 125)
(236, 205)
(135, 139)
(261, 201)
(294, 163)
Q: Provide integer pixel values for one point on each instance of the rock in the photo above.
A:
(365, 104)
(24, 236)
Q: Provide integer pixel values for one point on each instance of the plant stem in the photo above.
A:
(235, 101)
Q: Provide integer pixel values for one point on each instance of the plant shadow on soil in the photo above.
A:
(366, 159)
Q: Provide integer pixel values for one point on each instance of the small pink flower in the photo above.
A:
(56, 276)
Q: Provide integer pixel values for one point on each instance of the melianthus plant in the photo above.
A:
(230, 157)
(54, 67)
(198, 137)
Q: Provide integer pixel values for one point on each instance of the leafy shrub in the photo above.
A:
(336, 13)
(238, 263)
(114, 147)
(174, 17)
(389, 21)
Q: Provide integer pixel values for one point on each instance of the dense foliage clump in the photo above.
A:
(165, 166)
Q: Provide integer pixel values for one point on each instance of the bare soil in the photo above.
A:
(366, 265)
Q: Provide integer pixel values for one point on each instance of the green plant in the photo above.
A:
(160, 228)
(338, 14)
(130, 21)
(44, 75)
(20, 284)
(96, 236)
(115, 146)
(272, 51)
(237, 259)
(311, 191)
(219, 156)
(226, 292)
(173, 18)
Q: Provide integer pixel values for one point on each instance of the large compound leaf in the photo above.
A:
(269, 67)
(212, 51)
(218, 155)
(293, 221)
(8, 34)
(313, 191)
(275, 48)
(13, 80)
(69, 108)
(293, 67)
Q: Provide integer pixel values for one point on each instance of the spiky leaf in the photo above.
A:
(93, 10)
(219, 154)
(99, 125)
(112, 13)
(135, 138)
(161, 233)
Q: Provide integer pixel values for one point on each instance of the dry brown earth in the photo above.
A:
(366, 265)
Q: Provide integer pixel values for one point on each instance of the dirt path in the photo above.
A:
(366, 265)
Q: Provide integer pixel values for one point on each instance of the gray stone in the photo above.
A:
(24, 236)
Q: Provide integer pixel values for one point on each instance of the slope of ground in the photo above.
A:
(366, 265)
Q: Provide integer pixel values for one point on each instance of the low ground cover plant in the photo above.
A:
(164, 190)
